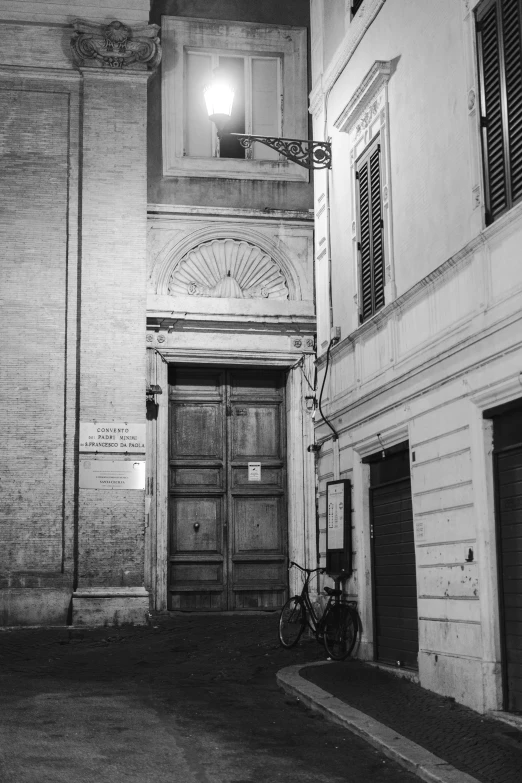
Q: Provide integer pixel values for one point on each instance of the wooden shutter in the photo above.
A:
(370, 238)
(266, 104)
(500, 65)
(511, 14)
(198, 130)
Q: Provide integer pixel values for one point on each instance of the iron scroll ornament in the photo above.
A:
(307, 153)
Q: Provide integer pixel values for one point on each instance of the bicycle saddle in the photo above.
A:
(331, 591)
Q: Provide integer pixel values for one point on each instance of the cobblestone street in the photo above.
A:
(192, 699)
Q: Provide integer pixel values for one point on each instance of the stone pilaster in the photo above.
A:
(115, 63)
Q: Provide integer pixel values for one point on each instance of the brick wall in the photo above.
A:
(113, 307)
(33, 236)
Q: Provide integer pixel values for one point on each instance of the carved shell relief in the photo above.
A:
(228, 269)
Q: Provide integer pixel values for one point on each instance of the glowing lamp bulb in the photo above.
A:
(219, 98)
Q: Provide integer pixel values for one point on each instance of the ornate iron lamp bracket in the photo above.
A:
(304, 152)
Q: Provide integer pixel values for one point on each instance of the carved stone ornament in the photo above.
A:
(116, 46)
(228, 269)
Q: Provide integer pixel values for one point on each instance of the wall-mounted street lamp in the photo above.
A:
(219, 98)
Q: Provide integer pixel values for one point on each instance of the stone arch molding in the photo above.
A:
(228, 269)
(202, 260)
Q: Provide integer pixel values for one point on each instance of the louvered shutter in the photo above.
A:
(370, 239)
(511, 26)
(500, 64)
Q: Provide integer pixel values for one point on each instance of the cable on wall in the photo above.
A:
(330, 344)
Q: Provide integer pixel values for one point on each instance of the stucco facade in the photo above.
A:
(445, 348)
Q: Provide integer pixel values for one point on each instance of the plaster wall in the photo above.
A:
(445, 347)
(432, 171)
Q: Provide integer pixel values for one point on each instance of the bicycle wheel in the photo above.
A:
(292, 621)
(340, 631)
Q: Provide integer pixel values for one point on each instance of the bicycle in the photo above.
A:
(337, 628)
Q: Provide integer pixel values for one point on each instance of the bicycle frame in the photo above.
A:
(312, 620)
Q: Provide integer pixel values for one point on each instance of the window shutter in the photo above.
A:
(377, 230)
(500, 65)
(370, 232)
(511, 13)
(265, 104)
(198, 130)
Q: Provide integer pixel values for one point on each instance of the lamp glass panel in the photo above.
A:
(232, 70)
(265, 104)
(198, 129)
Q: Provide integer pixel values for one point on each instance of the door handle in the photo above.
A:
(196, 526)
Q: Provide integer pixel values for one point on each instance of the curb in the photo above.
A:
(408, 754)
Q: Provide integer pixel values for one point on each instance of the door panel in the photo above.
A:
(256, 432)
(228, 540)
(257, 525)
(196, 430)
(197, 524)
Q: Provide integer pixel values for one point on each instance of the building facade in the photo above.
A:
(159, 312)
(419, 293)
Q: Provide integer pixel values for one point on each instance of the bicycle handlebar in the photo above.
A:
(306, 570)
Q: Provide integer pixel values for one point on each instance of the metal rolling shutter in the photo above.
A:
(500, 64)
(509, 508)
(396, 634)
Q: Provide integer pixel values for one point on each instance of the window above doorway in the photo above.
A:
(266, 64)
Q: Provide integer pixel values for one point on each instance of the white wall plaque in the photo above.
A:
(254, 471)
(111, 474)
(112, 436)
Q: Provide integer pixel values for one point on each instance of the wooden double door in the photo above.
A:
(227, 489)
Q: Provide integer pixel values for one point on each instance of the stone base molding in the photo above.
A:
(29, 606)
(110, 606)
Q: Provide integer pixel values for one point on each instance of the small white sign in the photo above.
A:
(112, 436)
(254, 471)
(335, 516)
(111, 474)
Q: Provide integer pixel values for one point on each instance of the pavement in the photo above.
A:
(188, 699)
(432, 736)
(200, 699)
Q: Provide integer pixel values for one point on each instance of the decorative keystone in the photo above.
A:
(115, 46)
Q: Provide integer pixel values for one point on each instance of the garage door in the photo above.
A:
(394, 579)
(508, 464)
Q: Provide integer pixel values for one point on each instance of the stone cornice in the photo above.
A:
(228, 213)
(115, 46)
(356, 31)
(376, 77)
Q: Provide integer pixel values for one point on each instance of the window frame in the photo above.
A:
(363, 120)
(289, 44)
(480, 12)
(248, 91)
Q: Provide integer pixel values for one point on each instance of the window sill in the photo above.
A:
(232, 168)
